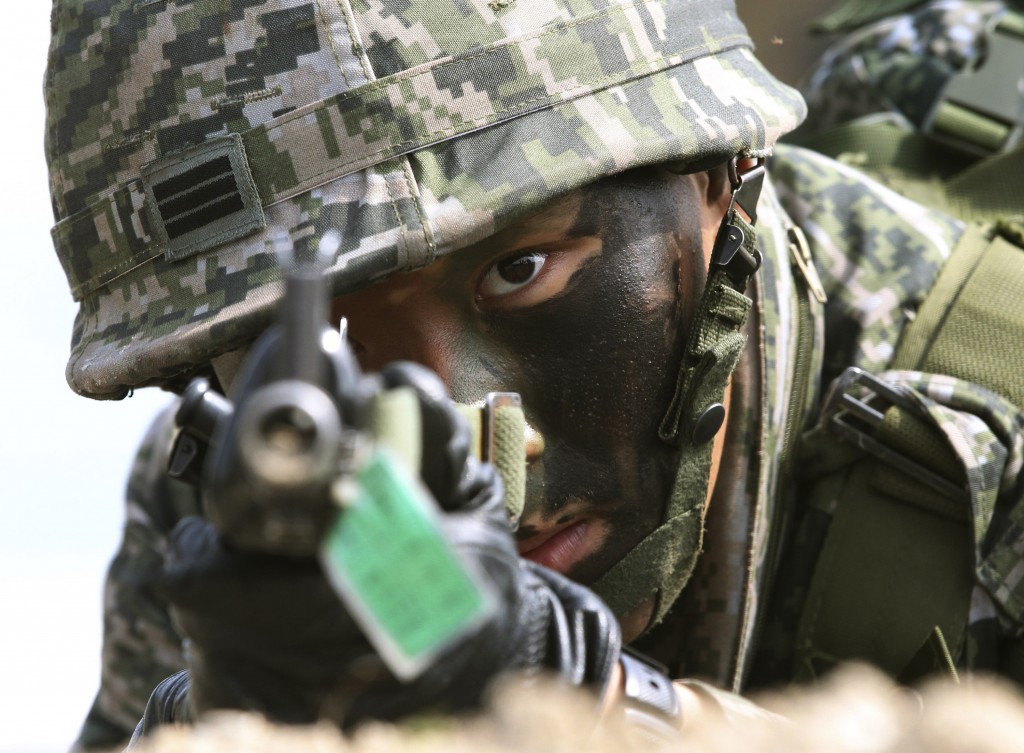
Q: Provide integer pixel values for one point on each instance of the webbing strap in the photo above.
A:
(991, 189)
(972, 323)
(498, 436)
(721, 314)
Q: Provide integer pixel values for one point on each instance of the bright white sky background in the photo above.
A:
(63, 458)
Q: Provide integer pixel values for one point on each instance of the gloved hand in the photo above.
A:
(268, 633)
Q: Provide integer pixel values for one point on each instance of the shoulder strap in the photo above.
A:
(971, 325)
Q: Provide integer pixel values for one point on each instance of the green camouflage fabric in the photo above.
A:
(930, 101)
(870, 304)
(140, 644)
(878, 255)
(898, 64)
(890, 71)
(185, 136)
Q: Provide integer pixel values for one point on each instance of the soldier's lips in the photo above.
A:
(561, 547)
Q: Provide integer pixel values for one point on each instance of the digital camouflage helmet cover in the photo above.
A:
(184, 136)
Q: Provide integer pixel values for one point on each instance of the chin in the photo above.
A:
(635, 623)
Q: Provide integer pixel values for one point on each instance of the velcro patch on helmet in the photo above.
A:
(202, 197)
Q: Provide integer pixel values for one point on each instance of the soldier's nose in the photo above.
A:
(534, 444)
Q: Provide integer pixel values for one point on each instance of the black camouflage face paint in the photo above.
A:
(591, 342)
(595, 364)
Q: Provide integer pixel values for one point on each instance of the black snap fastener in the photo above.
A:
(708, 424)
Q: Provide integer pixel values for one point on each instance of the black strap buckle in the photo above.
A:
(730, 255)
(854, 419)
(746, 187)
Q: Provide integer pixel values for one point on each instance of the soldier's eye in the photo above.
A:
(511, 274)
(519, 278)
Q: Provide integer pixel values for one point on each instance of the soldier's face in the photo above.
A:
(577, 308)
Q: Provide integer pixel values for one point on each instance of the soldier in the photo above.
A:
(555, 200)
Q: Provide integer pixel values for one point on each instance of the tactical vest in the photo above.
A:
(894, 579)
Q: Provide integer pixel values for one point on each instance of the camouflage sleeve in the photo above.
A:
(879, 257)
(140, 645)
(897, 64)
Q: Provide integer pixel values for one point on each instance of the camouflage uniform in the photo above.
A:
(885, 98)
(405, 194)
(140, 644)
(879, 255)
(897, 63)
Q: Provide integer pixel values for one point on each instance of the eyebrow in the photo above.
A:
(509, 237)
(550, 212)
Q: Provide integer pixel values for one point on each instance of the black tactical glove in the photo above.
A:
(268, 633)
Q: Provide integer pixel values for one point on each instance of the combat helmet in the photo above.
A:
(183, 136)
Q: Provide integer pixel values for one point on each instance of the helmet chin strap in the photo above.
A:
(661, 563)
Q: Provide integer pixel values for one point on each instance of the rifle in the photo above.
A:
(311, 458)
(269, 460)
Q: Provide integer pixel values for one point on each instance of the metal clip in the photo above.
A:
(728, 252)
(855, 420)
(800, 253)
(981, 110)
(746, 187)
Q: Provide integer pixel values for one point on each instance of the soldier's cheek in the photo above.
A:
(593, 365)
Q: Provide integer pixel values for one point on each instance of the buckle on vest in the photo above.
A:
(730, 255)
(981, 110)
(854, 419)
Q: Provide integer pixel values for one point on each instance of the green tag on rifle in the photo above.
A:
(400, 578)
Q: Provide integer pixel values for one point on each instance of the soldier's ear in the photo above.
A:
(718, 189)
